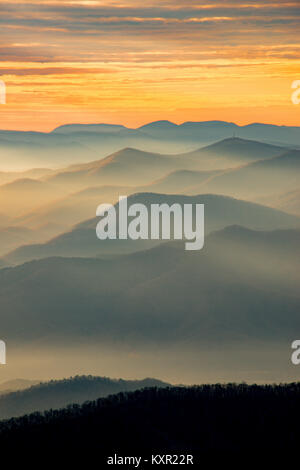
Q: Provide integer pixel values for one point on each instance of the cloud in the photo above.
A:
(134, 53)
(54, 71)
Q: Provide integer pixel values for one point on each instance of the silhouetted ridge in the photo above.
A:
(60, 393)
(209, 421)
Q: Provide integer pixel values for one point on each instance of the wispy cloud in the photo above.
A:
(148, 60)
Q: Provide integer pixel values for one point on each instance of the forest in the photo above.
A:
(208, 421)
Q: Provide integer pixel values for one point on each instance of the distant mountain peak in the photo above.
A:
(102, 127)
(209, 123)
(159, 124)
(238, 142)
(23, 183)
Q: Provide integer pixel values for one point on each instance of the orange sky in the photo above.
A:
(123, 62)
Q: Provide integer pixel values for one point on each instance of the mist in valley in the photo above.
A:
(72, 305)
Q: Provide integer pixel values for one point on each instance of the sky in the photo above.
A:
(131, 62)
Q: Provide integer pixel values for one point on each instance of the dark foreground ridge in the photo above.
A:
(209, 422)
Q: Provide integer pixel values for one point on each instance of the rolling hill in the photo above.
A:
(73, 208)
(92, 128)
(177, 182)
(35, 173)
(212, 131)
(133, 167)
(27, 150)
(87, 185)
(233, 152)
(242, 286)
(13, 237)
(201, 422)
(78, 206)
(51, 192)
(83, 143)
(219, 212)
(126, 167)
(288, 201)
(60, 393)
(22, 195)
(16, 385)
(256, 180)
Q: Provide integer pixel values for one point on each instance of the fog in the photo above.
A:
(266, 362)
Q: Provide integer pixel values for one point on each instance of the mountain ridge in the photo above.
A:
(60, 393)
(220, 211)
(211, 293)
